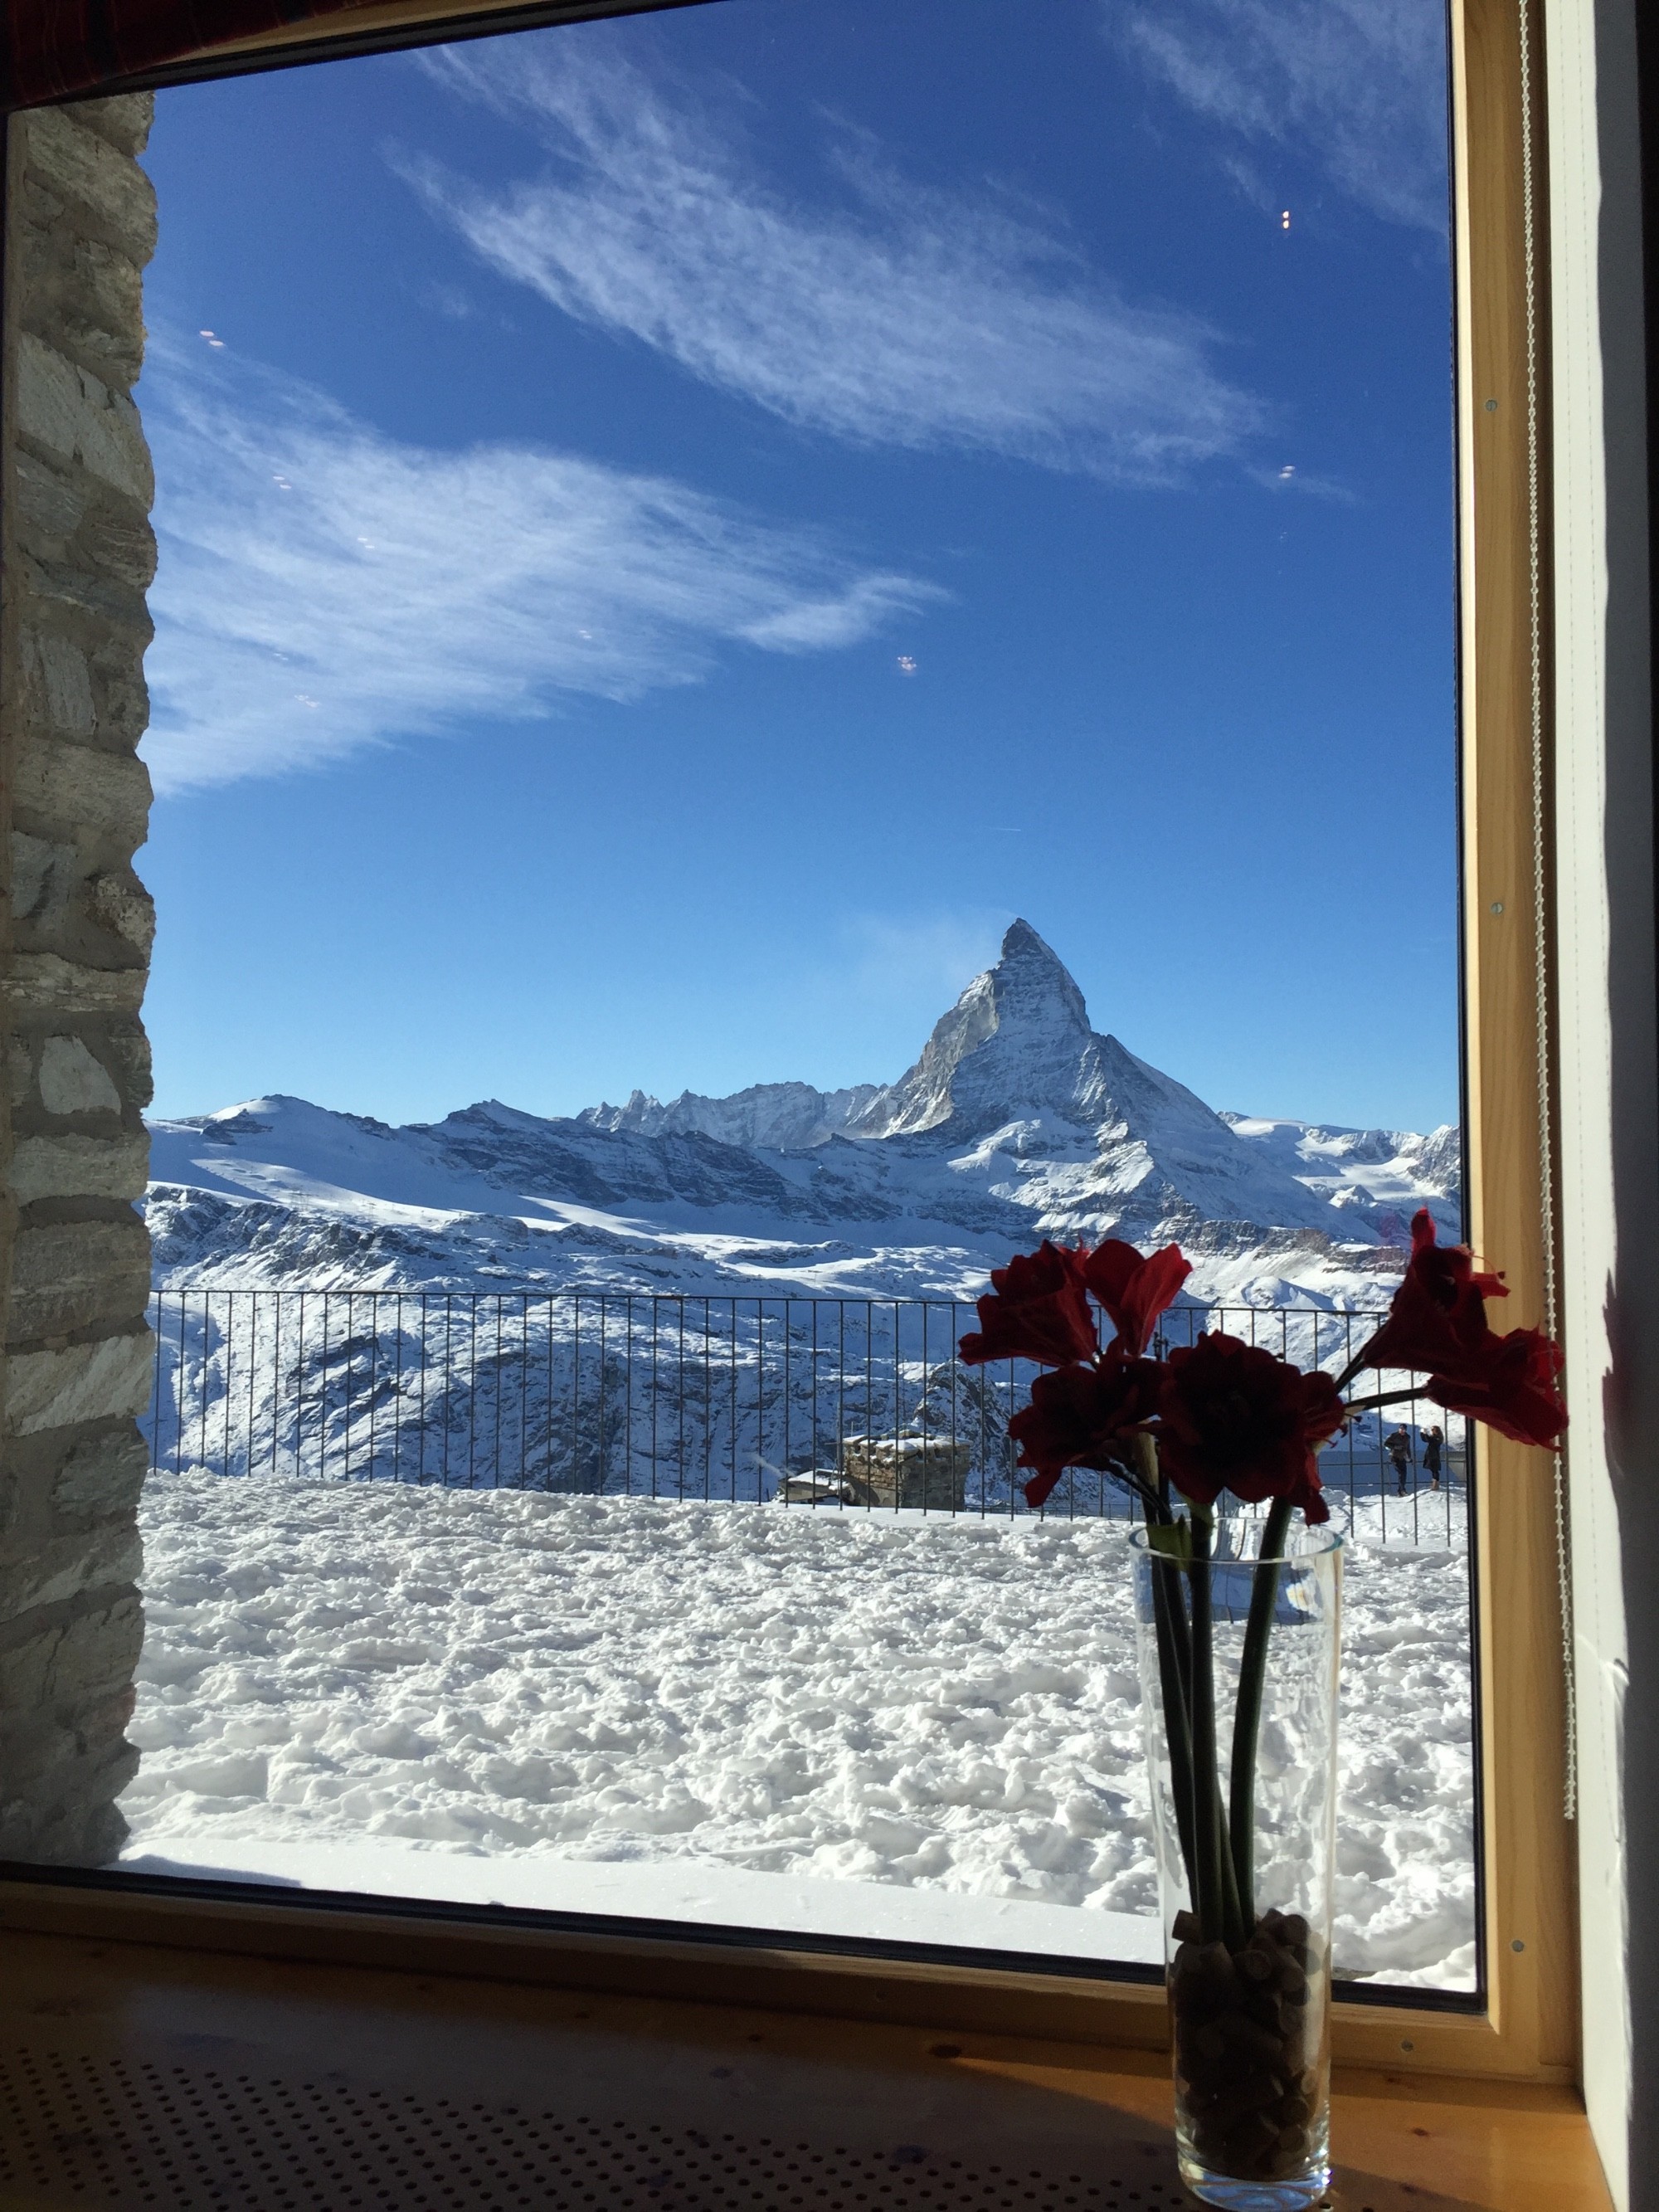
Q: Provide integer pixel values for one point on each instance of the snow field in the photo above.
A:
(942, 1705)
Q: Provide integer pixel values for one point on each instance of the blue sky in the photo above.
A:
(675, 531)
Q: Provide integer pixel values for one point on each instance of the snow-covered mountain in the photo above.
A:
(782, 1116)
(1017, 1121)
(1387, 1174)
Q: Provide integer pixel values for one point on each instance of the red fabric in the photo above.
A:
(52, 47)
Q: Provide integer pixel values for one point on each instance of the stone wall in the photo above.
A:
(78, 554)
(929, 1473)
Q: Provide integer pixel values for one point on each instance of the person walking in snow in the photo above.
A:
(1432, 1442)
(1398, 1446)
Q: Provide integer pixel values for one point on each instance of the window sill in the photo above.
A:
(201, 2076)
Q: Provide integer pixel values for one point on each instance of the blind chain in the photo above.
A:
(1540, 895)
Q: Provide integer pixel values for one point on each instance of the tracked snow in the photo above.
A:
(878, 1725)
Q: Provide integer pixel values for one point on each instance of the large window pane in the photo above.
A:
(709, 561)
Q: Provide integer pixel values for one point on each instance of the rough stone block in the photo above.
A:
(81, 168)
(101, 1480)
(63, 1745)
(125, 551)
(47, 983)
(66, 683)
(69, 1564)
(82, 1383)
(68, 1276)
(90, 1655)
(130, 1055)
(120, 694)
(73, 1081)
(19, 1496)
(123, 117)
(79, 1167)
(106, 298)
(76, 418)
(41, 874)
(118, 902)
(112, 359)
(39, 1754)
(50, 1757)
(68, 588)
(84, 789)
(20, 1071)
(36, 213)
(51, 505)
(76, 1824)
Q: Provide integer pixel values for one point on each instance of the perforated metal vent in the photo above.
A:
(107, 2131)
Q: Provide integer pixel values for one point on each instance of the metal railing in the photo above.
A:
(668, 1395)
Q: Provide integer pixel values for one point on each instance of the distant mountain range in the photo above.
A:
(1017, 1121)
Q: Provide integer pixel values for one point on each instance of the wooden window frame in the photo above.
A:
(1529, 2029)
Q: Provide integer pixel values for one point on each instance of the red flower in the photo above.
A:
(1234, 1417)
(1134, 1290)
(1437, 1322)
(1037, 1310)
(1083, 1417)
(1514, 1391)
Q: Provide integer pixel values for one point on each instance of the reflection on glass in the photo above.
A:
(777, 548)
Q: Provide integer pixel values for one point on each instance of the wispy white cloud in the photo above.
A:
(883, 311)
(930, 956)
(1359, 85)
(322, 587)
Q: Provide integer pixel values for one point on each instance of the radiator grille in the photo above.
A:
(82, 2130)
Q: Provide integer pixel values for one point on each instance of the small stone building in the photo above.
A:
(928, 1472)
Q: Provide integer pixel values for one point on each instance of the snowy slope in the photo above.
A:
(1017, 1121)
(1384, 1174)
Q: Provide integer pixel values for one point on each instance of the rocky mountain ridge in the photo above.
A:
(1017, 1119)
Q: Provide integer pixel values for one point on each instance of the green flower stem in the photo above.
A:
(1167, 1607)
(1387, 1398)
(1232, 1915)
(1173, 1666)
(1247, 1714)
(1207, 1794)
(1153, 1477)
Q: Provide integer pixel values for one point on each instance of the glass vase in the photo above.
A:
(1248, 1975)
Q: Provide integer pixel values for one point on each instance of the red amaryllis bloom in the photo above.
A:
(1083, 1417)
(1437, 1322)
(1515, 1392)
(1037, 1310)
(1234, 1417)
(1134, 1288)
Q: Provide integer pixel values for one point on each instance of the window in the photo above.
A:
(901, 675)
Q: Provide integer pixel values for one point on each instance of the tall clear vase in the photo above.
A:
(1246, 1913)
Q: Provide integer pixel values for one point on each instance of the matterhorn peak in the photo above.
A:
(1030, 981)
(1017, 1042)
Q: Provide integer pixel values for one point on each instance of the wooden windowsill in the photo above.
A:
(145, 2073)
